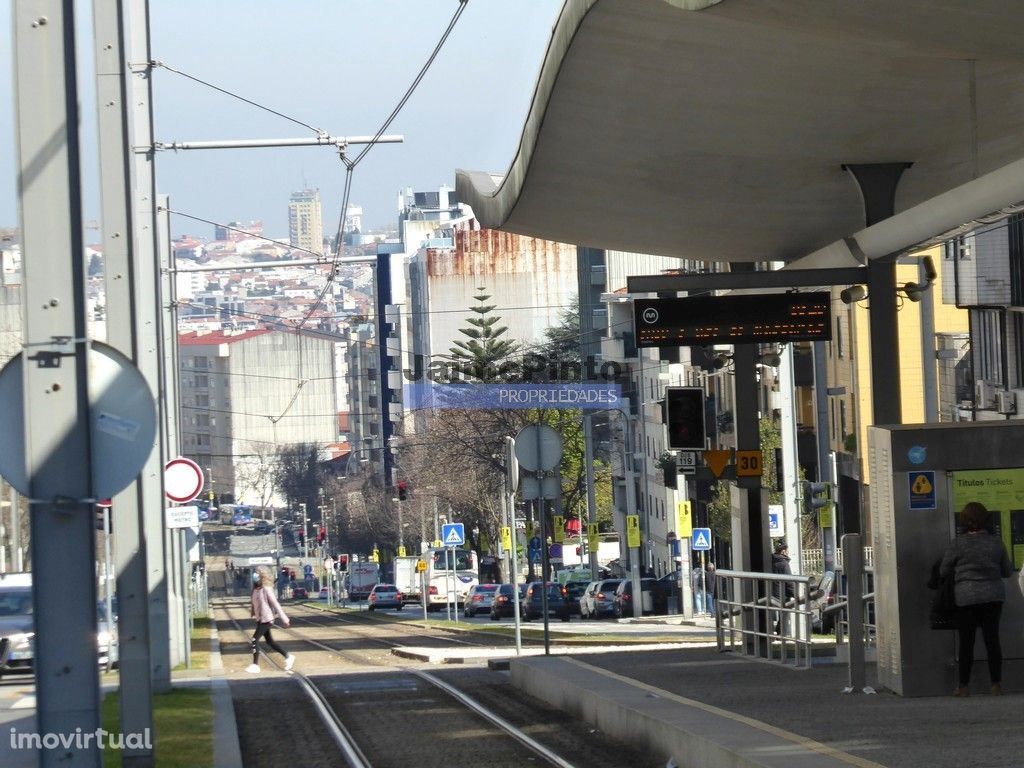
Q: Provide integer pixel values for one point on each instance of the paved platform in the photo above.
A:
(704, 708)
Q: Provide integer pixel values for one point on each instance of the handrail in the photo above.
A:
(765, 615)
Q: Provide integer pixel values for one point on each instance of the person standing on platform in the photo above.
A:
(978, 562)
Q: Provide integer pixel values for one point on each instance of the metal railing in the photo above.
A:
(840, 609)
(814, 559)
(765, 615)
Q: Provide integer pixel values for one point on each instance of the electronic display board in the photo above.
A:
(741, 319)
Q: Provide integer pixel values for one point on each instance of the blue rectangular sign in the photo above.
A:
(701, 541)
(453, 534)
(430, 395)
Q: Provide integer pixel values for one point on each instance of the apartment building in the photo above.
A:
(245, 395)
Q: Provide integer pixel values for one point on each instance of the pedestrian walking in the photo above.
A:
(263, 608)
(711, 591)
(978, 562)
(781, 565)
(698, 577)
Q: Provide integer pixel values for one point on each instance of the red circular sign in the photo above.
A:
(183, 480)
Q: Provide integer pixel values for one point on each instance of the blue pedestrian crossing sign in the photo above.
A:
(453, 534)
(701, 539)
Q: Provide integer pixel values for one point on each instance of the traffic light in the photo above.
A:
(403, 490)
(321, 535)
(671, 473)
(685, 411)
(816, 496)
(342, 562)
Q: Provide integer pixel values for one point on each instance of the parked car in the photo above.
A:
(573, 593)
(533, 606)
(479, 599)
(598, 599)
(300, 593)
(384, 596)
(263, 526)
(624, 598)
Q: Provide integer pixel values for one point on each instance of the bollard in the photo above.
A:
(853, 565)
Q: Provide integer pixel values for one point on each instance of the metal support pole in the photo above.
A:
(312, 141)
(790, 463)
(122, 238)
(108, 591)
(853, 566)
(631, 509)
(55, 407)
(17, 557)
(748, 438)
(885, 342)
(929, 372)
(588, 451)
(828, 542)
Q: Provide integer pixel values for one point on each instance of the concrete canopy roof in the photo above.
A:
(717, 130)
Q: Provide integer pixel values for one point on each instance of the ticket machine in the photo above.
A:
(921, 476)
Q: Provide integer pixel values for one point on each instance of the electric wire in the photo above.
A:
(226, 92)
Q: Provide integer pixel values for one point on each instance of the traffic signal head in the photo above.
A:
(342, 562)
(685, 411)
(816, 496)
(403, 490)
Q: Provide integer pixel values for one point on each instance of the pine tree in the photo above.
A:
(480, 356)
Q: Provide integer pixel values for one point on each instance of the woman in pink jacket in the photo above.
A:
(263, 607)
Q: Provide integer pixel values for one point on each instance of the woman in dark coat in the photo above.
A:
(979, 563)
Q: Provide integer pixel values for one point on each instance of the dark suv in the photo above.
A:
(558, 604)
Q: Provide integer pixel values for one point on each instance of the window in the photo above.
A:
(201, 381)
(839, 336)
(842, 418)
(203, 401)
(203, 441)
(200, 362)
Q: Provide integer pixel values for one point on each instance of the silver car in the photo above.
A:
(599, 599)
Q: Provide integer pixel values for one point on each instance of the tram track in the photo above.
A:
(355, 708)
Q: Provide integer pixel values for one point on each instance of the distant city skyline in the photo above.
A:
(339, 66)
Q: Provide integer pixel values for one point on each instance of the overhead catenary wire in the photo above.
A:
(350, 165)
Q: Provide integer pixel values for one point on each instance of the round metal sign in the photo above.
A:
(122, 423)
(538, 448)
(183, 480)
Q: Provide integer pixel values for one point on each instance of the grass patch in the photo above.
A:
(201, 635)
(183, 726)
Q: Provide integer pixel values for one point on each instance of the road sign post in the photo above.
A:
(538, 448)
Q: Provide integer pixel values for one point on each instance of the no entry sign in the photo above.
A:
(183, 480)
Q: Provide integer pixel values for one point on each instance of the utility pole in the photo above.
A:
(305, 532)
(588, 452)
(55, 406)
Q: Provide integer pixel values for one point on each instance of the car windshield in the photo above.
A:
(16, 603)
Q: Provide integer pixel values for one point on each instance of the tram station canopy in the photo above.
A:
(717, 129)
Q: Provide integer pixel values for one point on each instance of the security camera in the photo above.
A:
(913, 291)
(853, 293)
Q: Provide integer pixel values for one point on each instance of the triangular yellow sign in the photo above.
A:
(717, 461)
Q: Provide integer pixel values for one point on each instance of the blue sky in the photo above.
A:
(340, 65)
